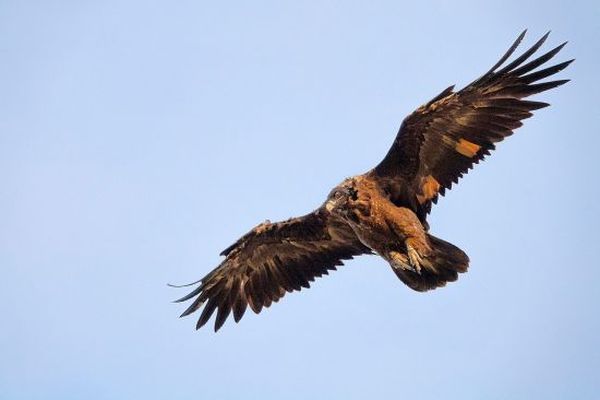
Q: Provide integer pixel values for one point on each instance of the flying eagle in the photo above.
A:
(384, 211)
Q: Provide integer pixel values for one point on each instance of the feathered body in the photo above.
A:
(419, 259)
(384, 211)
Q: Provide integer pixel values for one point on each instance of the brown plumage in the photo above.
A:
(384, 211)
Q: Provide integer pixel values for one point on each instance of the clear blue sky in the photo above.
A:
(140, 138)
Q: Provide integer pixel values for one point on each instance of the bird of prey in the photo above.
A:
(384, 211)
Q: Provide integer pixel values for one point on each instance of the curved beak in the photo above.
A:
(330, 205)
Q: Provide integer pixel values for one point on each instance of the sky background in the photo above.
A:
(140, 138)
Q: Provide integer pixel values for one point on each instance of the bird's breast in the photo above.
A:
(367, 220)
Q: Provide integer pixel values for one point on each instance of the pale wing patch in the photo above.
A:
(466, 148)
(429, 189)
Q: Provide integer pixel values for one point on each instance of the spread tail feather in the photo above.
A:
(443, 265)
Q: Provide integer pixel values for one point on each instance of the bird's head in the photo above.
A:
(341, 196)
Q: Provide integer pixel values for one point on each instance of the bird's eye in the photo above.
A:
(353, 193)
(337, 195)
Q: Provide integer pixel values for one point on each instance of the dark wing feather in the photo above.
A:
(270, 260)
(439, 142)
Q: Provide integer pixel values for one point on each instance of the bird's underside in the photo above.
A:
(384, 211)
(395, 233)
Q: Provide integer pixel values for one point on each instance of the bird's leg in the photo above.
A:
(408, 229)
(398, 260)
(409, 261)
(413, 256)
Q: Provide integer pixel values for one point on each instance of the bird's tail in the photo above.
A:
(442, 265)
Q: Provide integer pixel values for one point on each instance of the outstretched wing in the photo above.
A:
(270, 260)
(439, 142)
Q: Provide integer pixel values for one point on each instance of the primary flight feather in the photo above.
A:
(384, 211)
